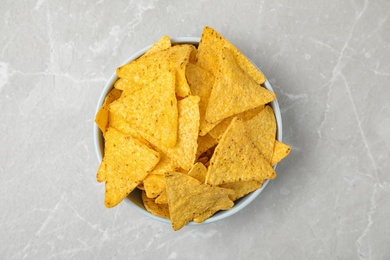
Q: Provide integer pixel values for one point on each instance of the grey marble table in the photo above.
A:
(329, 63)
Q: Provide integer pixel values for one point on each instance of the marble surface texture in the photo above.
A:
(329, 63)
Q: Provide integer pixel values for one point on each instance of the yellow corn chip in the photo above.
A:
(187, 141)
(102, 116)
(152, 111)
(236, 158)
(164, 165)
(162, 44)
(234, 91)
(241, 188)
(146, 68)
(188, 198)
(201, 83)
(125, 165)
(154, 184)
(223, 203)
(160, 210)
(162, 199)
(198, 171)
(209, 50)
(219, 129)
(204, 144)
(281, 150)
(261, 130)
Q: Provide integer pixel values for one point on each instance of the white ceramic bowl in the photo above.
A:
(134, 199)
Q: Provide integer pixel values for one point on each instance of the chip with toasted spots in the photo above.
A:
(102, 116)
(219, 129)
(241, 188)
(184, 152)
(160, 210)
(152, 111)
(162, 44)
(209, 50)
(234, 91)
(154, 184)
(201, 83)
(125, 165)
(236, 158)
(262, 131)
(205, 143)
(188, 198)
(198, 171)
(281, 150)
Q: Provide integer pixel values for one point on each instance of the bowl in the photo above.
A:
(134, 199)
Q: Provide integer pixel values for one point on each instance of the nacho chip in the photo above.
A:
(152, 111)
(160, 210)
(205, 143)
(125, 164)
(261, 130)
(236, 158)
(234, 91)
(209, 51)
(281, 150)
(223, 203)
(165, 165)
(162, 198)
(241, 188)
(188, 198)
(146, 68)
(162, 44)
(198, 171)
(187, 140)
(201, 83)
(154, 184)
(219, 129)
(102, 116)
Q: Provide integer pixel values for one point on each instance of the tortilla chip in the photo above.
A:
(162, 199)
(164, 165)
(241, 188)
(198, 171)
(125, 165)
(102, 116)
(209, 50)
(162, 44)
(160, 210)
(223, 203)
(281, 150)
(219, 129)
(152, 111)
(201, 83)
(234, 91)
(187, 140)
(236, 158)
(205, 143)
(154, 184)
(188, 198)
(262, 131)
(146, 68)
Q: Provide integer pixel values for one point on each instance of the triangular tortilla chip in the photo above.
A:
(201, 83)
(234, 91)
(219, 129)
(209, 50)
(198, 171)
(261, 130)
(188, 198)
(146, 68)
(187, 140)
(223, 203)
(205, 143)
(102, 116)
(152, 111)
(154, 184)
(236, 158)
(241, 188)
(281, 150)
(160, 210)
(162, 44)
(125, 164)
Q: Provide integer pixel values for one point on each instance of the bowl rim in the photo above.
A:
(240, 203)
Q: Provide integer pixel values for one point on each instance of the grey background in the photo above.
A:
(329, 63)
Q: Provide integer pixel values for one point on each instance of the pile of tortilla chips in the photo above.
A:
(191, 126)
